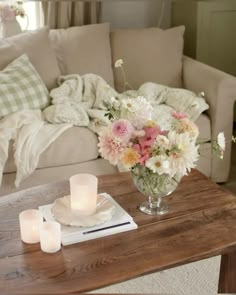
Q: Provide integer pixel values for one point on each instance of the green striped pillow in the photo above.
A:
(21, 87)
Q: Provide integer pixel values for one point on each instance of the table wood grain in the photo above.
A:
(201, 223)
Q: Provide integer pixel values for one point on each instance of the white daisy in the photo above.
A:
(221, 141)
(119, 63)
(137, 110)
(183, 153)
(128, 104)
(158, 164)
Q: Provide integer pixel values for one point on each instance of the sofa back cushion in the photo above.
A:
(84, 49)
(37, 46)
(21, 87)
(149, 55)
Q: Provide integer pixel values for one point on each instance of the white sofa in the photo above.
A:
(149, 55)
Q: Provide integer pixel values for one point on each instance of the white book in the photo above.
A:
(121, 221)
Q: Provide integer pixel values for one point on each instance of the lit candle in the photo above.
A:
(30, 221)
(50, 237)
(83, 192)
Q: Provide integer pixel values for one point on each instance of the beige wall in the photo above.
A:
(135, 13)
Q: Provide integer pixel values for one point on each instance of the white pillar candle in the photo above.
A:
(83, 192)
(30, 221)
(50, 237)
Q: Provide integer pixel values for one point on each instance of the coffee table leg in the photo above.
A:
(227, 279)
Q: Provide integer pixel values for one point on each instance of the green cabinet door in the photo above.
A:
(216, 34)
(210, 35)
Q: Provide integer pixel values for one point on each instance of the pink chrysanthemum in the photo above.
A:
(178, 115)
(110, 147)
(122, 129)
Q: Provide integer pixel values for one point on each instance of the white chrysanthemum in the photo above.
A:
(161, 142)
(183, 153)
(119, 63)
(185, 125)
(137, 110)
(221, 141)
(158, 164)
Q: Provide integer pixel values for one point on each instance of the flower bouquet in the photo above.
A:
(157, 158)
(8, 12)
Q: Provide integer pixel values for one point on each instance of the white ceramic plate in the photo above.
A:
(62, 212)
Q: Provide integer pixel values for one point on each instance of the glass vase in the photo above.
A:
(9, 28)
(155, 187)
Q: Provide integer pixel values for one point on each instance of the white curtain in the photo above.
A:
(61, 14)
(65, 14)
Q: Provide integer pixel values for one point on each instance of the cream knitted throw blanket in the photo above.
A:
(82, 101)
(31, 136)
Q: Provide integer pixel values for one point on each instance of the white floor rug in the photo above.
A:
(194, 278)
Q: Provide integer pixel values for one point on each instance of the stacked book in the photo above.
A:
(121, 221)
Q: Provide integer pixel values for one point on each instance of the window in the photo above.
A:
(34, 16)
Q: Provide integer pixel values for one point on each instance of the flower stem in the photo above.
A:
(124, 79)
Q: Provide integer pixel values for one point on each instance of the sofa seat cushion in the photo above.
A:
(37, 46)
(52, 174)
(75, 145)
(85, 49)
(204, 124)
(149, 55)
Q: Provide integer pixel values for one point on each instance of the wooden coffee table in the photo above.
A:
(201, 223)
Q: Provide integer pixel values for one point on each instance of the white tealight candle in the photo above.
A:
(50, 237)
(30, 221)
(83, 192)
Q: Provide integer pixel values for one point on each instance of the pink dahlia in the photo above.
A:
(178, 115)
(122, 129)
(110, 147)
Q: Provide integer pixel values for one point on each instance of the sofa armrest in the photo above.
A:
(220, 94)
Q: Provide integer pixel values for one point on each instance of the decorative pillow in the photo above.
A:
(84, 49)
(21, 87)
(149, 55)
(37, 46)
